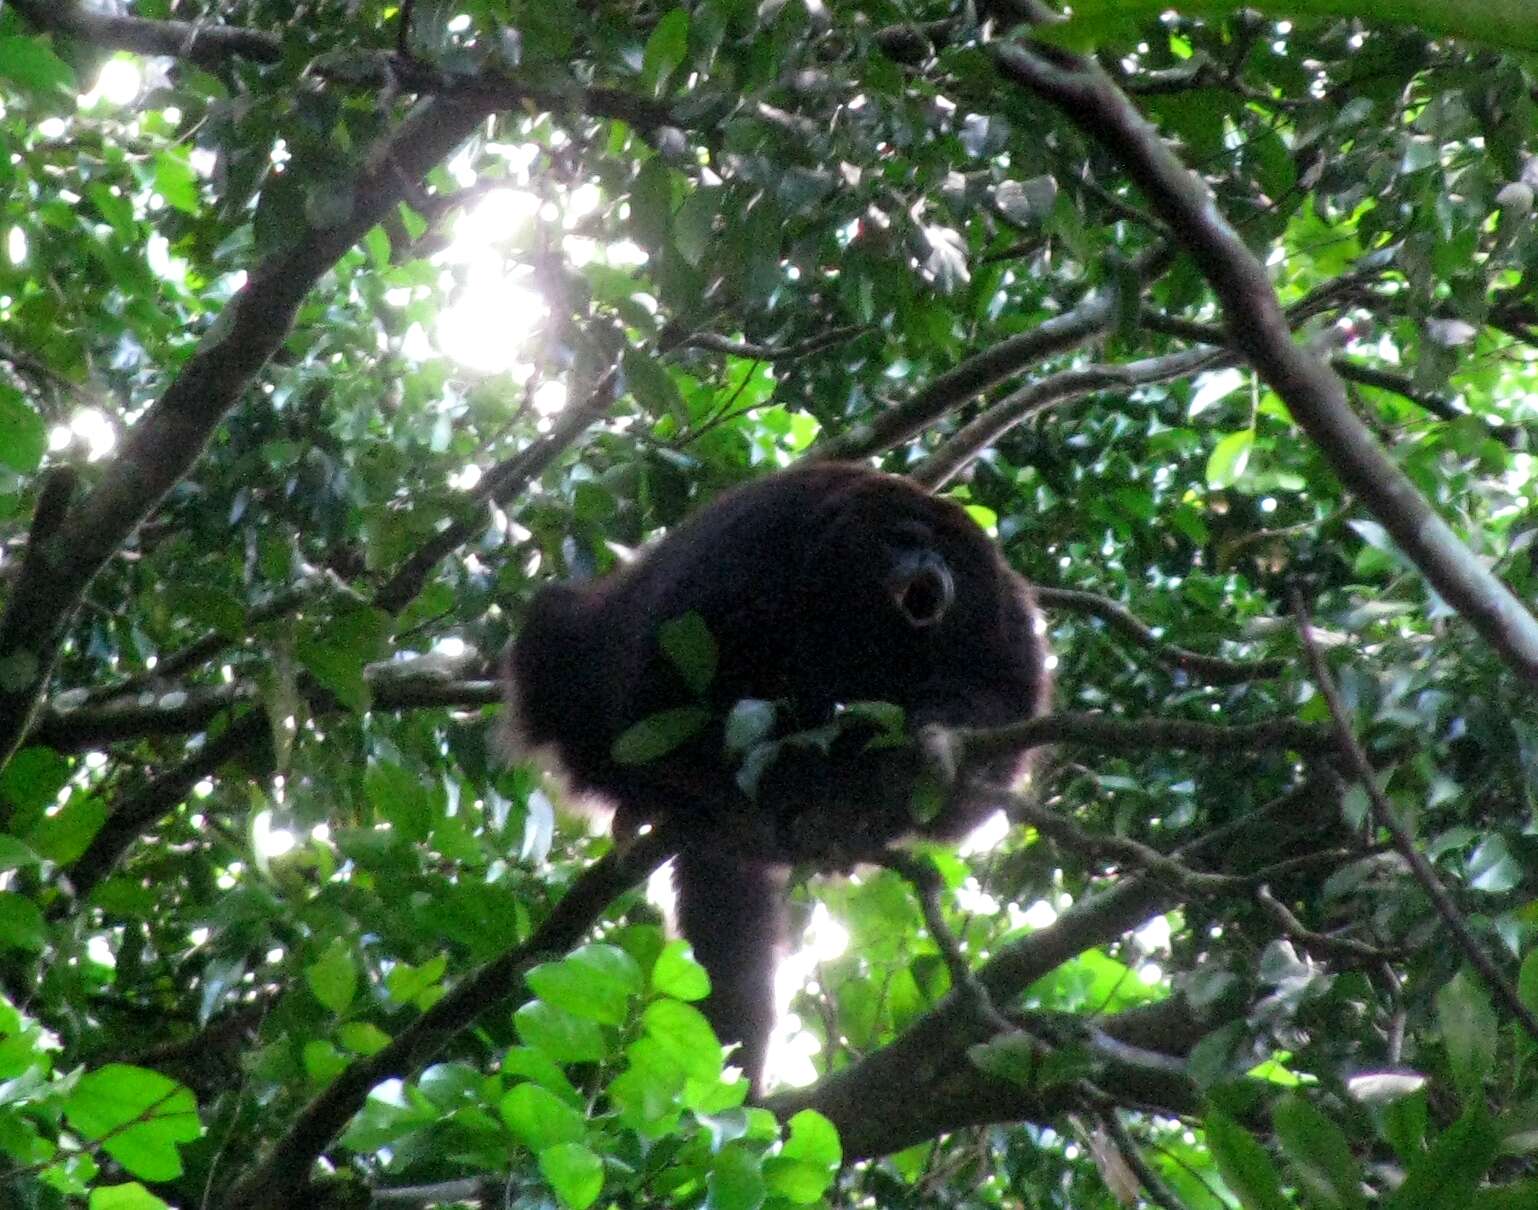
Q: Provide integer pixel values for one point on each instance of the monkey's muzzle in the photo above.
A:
(922, 588)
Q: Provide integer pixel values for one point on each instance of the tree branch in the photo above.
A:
(279, 1179)
(1209, 668)
(204, 44)
(958, 450)
(1103, 733)
(162, 447)
(1404, 842)
(1257, 326)
(1090, 319)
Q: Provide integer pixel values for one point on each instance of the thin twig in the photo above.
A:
(1213, 669)
(1404, 842)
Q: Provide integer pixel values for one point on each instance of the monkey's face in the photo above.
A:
(890, 587)
(918, 580)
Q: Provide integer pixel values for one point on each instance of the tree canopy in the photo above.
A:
(330, 333)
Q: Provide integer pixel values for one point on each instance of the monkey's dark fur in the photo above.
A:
(820, 586)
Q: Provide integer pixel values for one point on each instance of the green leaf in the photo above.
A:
(21, 923)
(694, 224)
(596, 981)
(336, 650)
(1318, 1154)
(176, 181)
(65, 835)
(32, 779)
(539, 1118)
(653, 387)
(1229, 458)
(665, 49)
(526, 1063)
(749, 723)
(808, 1161)
(1469, 1031)
(574, 1172)
(560, 1035)
(736, 1180)
(677, 974)
(409, 984)
(132, 1196)
(333, 978)
(14, 855)
(684, 1034)
(659, 734)
(1244, 1163)
(689, 645)
(1527, 979)
(137, 1115)
(1446, 1175)
(814, 1138)
(210, 605)
(362, 1037)
(411, 806)
(1521, 1196)
(23, 435)
(32, 64)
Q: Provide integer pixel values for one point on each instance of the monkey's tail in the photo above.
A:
(733, 913)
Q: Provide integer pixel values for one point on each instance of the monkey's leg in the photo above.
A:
(733, 913)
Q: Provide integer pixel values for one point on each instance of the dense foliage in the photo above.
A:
(328, 333)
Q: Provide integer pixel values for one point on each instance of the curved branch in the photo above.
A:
(1090, 319)
(1313, 393)
(1210, 668)
(946, 462)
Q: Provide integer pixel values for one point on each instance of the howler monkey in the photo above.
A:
(819, 587)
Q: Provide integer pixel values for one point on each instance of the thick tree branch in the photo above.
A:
(162, 446)
(1315, 395)
(204, 44)
(923, 1083)
(174, 711)
(280, 1178)
(1103, 733)
(133, 816)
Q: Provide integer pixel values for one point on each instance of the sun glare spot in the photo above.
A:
(268, 840)
(493, 219)
(92, 426)
(486, 327)
(550, 398)
(987, 836)
(118, 83)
